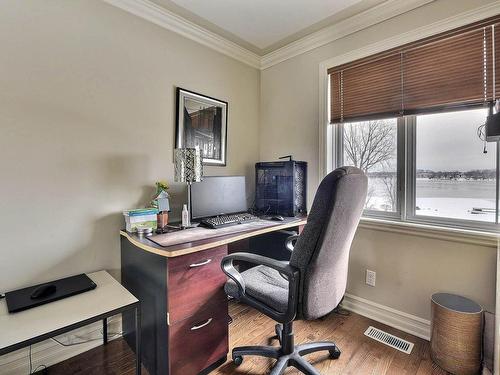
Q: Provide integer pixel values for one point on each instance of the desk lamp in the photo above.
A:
(189, 169)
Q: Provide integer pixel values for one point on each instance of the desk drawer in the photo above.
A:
(199, 341)
(194, 280)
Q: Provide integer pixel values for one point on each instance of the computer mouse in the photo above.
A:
(277, 218)
(43, 291)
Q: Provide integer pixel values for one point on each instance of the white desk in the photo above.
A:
(28, 327)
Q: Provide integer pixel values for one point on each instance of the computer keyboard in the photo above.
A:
(227, 220)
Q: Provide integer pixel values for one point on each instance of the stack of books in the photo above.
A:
(140, 218)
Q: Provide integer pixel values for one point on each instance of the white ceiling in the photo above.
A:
(263, 23)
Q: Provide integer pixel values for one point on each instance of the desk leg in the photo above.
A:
(105, 331)
(138, 340)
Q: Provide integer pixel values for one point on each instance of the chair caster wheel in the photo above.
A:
(238, 360)
(335, 353)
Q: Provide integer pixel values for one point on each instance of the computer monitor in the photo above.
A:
(218, 195)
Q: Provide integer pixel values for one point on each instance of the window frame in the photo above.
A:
(400, 169)
(411, 216)
(406, 179)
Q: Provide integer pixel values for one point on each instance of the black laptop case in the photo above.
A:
(20, 299)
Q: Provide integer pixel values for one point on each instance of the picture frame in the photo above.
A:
(201, 121)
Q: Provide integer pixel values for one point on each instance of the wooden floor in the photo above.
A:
(360, 355)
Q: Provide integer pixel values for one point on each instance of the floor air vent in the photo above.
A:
(390, 340)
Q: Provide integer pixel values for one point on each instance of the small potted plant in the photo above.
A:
(162, 203)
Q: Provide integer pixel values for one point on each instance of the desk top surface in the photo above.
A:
(18, 327)
(225, 237)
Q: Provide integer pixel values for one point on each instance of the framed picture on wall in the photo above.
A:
(202, 122)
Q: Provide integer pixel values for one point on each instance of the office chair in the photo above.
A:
(313, 282)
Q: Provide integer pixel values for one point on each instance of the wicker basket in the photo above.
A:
(456, 333)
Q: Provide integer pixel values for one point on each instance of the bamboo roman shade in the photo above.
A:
(451, 70)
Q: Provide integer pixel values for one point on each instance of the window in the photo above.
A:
(450, 180)
(372, 147)
(454, 179)
(410, 118)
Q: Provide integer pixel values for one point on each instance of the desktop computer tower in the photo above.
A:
(281, 187)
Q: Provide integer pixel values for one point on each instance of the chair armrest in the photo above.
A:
(290, 242)
(284, 268)
(278, 265)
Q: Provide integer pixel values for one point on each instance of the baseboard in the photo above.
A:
(398, 319)
(49, 352)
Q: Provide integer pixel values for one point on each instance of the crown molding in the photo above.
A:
(363, 20)
(423, 32)
(170, 21)
(162, 17)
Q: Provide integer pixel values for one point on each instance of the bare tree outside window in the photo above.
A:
(450, 180)
(372, 147)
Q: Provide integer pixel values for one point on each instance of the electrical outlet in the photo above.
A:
(371, 277)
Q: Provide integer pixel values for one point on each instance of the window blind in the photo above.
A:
(496, 64)
(451, 70)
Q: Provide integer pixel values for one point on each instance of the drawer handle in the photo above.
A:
(200, 264)
(194, 328)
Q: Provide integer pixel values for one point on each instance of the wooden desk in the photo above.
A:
(184, 307)
(28, 327)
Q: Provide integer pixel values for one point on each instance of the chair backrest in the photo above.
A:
(322, 250)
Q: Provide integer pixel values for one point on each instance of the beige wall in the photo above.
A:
(87, 124)
(411, 268)
(86, 127)
(408, 268)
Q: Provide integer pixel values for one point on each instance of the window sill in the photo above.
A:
(430, 231)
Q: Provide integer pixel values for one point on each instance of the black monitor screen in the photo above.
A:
(218, 195)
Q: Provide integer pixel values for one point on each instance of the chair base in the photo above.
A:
(294, 357)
